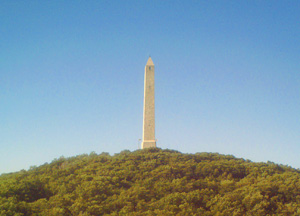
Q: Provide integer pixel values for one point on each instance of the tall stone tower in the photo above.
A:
(149, 108)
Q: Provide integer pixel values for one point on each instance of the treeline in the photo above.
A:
(151, 182)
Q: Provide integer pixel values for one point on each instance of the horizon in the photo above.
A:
(227, 78)
(140, 149)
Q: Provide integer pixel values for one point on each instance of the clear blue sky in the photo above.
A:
(72, 73)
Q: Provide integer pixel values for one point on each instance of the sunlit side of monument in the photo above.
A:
(148, 140)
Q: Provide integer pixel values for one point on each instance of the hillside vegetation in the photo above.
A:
(151, 182)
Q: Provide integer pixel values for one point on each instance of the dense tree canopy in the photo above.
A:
(151, 182)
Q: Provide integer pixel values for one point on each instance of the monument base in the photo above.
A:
(149, 144)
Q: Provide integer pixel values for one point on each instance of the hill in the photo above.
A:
(151, 182)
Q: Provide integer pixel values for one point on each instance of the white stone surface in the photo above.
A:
(149, 107)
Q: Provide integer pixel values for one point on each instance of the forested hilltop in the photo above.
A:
(151, 182)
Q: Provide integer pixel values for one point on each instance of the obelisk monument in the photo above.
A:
(149, 107)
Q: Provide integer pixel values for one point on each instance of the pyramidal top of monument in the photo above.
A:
(150, 62)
